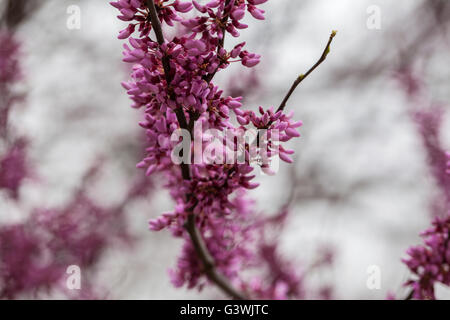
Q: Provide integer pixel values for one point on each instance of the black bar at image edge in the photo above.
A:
(217, 309)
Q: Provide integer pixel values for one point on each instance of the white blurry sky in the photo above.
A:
(358, 140)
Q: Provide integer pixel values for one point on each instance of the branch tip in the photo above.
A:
(302, 77)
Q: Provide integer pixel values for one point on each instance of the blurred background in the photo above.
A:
(361, 183)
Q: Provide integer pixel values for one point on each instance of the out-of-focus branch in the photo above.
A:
(16, 11)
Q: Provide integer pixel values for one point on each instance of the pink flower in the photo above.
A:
(135, 10)
(428, 262)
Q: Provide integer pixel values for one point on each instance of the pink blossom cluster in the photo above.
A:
(172, 81)
(430, 262)
(36, 253)
(269, 120)
(136, 11)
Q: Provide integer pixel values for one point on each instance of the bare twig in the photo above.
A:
(300, 79)
(303, 76)
(197, 240)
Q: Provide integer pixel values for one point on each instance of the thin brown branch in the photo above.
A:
(300, 79)
(156, 24)
(200, 247)
(208, 261)
(304, 76)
